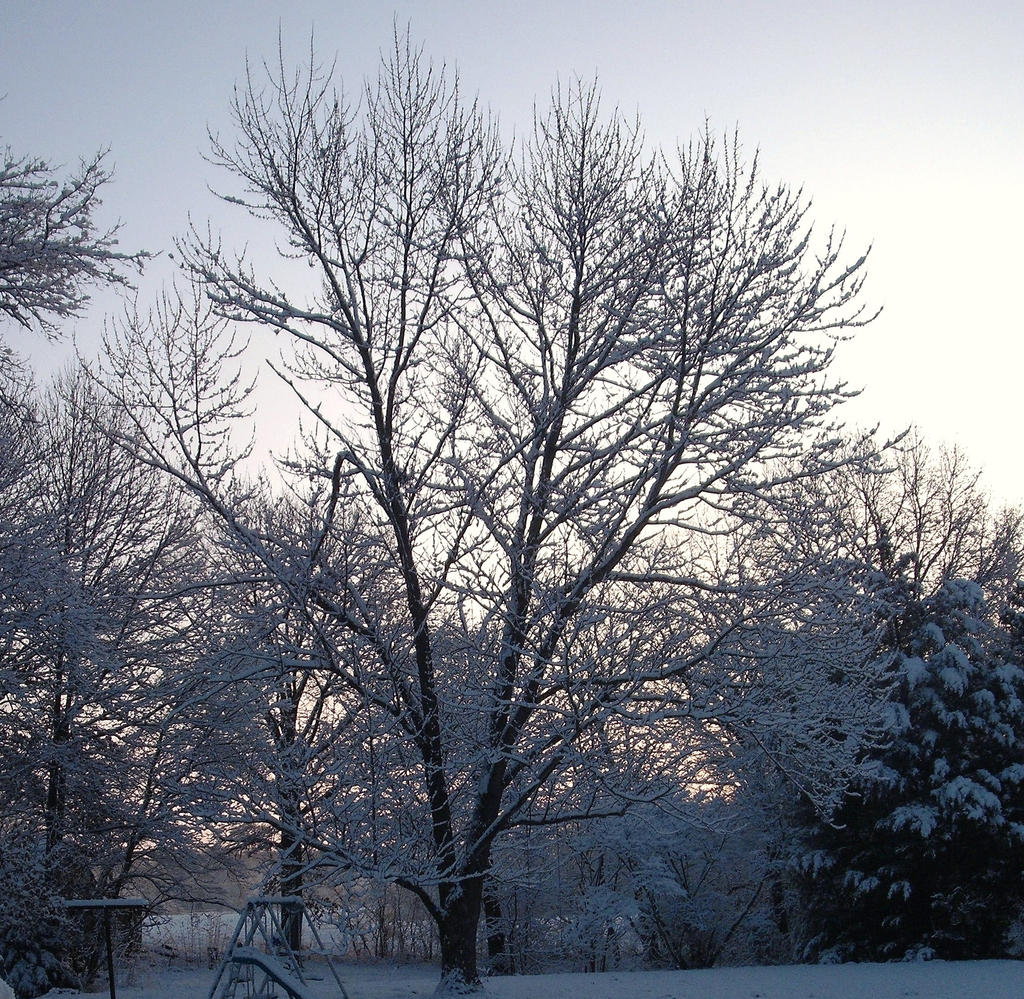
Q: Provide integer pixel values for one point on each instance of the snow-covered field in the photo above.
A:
(932, 980)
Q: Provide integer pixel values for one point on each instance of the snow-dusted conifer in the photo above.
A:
(920, 859)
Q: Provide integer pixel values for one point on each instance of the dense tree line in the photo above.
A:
(574, 617)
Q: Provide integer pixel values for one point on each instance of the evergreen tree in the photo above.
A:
(922, 860)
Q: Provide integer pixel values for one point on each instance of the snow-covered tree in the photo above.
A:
(35, 932)
(921, 515)
(103, 593)
(273, 708)
(561, 391)
(51, 252)
(919, 859)
(923, 857)
(704, 890)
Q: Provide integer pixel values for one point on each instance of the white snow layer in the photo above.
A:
(933, 979)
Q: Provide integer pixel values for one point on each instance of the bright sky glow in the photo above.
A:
(903, 121)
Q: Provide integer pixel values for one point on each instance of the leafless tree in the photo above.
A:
(93, 659)
(558, 394)
(923, 513)
(51, 251)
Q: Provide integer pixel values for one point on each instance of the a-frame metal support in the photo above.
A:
(259, 962)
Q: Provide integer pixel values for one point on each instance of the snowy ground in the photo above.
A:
(933, 980)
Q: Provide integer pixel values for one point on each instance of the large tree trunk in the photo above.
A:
(498, 956)
(292, 886)
(460, 918)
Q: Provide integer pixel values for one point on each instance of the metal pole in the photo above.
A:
(110, 953)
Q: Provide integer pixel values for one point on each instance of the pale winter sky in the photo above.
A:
(904, 122)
